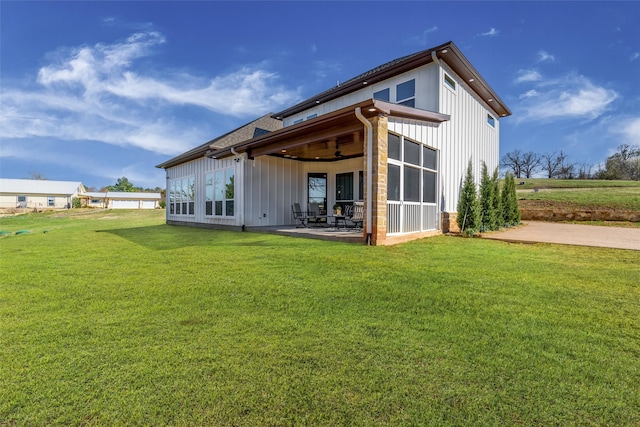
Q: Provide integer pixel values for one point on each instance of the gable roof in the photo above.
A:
(40, 186)
(447, 52)
(261, 126)
(336, 124)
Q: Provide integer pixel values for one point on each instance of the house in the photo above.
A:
(38, 194)
(121, 200)
(397, 137)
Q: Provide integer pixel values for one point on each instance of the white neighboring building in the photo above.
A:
(38, 193)
(121, 200)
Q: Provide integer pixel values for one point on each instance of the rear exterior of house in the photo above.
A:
(398, 138)
(38, 194)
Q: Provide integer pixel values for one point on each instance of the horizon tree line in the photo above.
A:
(624, 164)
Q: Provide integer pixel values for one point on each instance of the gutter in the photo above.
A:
(367, 124)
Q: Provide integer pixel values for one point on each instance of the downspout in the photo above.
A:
(367, 124)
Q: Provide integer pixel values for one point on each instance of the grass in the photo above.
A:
(114, 318)
(582, 194)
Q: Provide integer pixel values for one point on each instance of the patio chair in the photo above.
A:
(299, 215)
(357, 216)
(314, 213)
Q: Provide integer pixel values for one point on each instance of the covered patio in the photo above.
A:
(347, 235)
(355, 131)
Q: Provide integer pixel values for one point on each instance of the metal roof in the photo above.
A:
(447, 52)
(40, 186)
(262, 125)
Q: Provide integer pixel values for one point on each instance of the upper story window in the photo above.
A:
(382, 95)
(406, 93)
(297, 121)
(450, 82)
(491, 120)
(312, 116)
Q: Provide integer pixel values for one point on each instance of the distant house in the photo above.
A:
(397, 138)
(40, 194)
(121, 200)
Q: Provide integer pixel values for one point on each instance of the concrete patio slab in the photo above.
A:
(571, 234)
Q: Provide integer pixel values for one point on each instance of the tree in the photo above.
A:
(510, 209)
(497, 201)
(122, 184)
(624, 164)
(488, 216)
(468, 217)
(513, 161)
(556, 166)
(37, 175)
(530, 164)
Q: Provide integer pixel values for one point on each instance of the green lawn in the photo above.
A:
(587, 194)
(113, 318)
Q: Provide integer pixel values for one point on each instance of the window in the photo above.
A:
(430, 158)
(406, 93)
(344, 186)
(429, 186)
(491, 120)
(208, 194)
(182, 196)
(361, 185)
(22, 201)
(295, 122)
(51, 201)
(450, 82)
(393, 182)
(313, 116)
(382, 95)
(412, 185)
(393, 149)
(411, 152)
(219, 193)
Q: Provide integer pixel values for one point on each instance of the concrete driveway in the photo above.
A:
(571, 234)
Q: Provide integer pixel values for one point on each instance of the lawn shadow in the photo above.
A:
(166, 237)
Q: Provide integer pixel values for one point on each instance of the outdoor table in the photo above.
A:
(337, 219)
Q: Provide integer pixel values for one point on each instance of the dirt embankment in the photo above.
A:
(544, 210)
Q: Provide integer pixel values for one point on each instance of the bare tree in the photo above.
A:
(554, 163)
(584, 170)
(513, 161)
(37, 176)
(530, 163)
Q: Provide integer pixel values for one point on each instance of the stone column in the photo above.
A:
(379, 178)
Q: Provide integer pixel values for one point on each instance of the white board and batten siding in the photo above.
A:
(467, 136)
(426, 81)
(273, 184)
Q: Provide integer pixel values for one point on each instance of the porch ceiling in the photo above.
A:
(334, 136)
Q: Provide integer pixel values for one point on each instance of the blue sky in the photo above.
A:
(92, 91)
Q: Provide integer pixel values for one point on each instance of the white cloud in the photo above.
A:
(570, 97)
(492, 32)
(543, 56)
(95, 93)
(423, 38)
(528, 76)
(634, 56)
(529, 94)
(629, 129)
